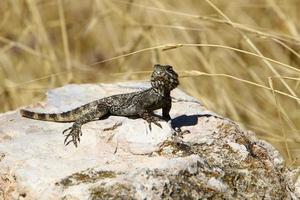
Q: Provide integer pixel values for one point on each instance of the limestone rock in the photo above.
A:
(120, 158)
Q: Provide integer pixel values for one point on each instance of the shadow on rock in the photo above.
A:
(187, 120)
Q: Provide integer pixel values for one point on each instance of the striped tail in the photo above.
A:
(69, 116)
(57, 117)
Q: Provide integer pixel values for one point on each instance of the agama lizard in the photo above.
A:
(141, 104)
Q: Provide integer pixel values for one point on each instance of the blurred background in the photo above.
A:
(240, 58)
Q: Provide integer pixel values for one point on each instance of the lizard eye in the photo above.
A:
(169, 67)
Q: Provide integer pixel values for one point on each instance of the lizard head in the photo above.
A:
(164, 78)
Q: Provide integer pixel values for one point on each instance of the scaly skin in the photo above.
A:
(142, 104)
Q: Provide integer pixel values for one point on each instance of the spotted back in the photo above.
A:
(164, 78)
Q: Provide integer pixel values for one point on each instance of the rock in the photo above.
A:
(120, 158)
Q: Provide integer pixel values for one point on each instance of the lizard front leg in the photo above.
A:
(150, 118)
(166, 109)
(75, 129)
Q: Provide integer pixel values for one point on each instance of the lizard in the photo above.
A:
(140, 104)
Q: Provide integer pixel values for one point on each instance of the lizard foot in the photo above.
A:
(153, 120)
(75, 133)
(179, 133)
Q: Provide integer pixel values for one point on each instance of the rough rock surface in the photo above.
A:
(120, 158)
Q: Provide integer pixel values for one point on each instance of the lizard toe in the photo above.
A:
(157, 124)
(66, 130)
(149, 124)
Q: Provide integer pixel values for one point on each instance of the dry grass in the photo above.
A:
(240, 58)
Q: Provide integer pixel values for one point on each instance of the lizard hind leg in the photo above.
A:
(74, 132)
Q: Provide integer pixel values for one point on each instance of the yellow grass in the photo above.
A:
(240, 58)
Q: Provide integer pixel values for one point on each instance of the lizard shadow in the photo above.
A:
(187, 120)
(177, 122)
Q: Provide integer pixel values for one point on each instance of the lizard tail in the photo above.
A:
(69, 116)
(58, 117)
